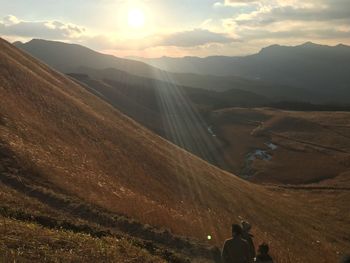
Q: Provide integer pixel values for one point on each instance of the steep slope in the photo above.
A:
(174, 112)
(86, 150)
(129, 99)
(163, 108)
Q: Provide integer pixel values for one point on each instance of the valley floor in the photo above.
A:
(308, 147)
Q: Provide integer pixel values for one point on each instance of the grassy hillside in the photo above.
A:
(29, 242)
(72, 152)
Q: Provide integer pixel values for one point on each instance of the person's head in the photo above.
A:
(263, 249)
(236, 230)
(246, 226)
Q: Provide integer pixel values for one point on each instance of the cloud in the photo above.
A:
(307, 12)
(11, 26)
(288, 19)
(195, 37)
(10, 20)
(55, 30)
(316, 31)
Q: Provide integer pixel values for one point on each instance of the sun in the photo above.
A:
(136, 18)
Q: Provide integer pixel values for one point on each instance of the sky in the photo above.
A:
(155, 28)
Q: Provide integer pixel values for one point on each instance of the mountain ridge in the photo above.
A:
(40, 48)
(316, 68)
(66, 61)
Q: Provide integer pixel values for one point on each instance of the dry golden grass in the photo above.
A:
(28, 242)
(91, 151)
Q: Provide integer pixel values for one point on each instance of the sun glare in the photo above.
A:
(136, 18)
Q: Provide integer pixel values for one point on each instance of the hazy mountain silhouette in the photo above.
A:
(66, 57)
(69, 58)
(317, 68)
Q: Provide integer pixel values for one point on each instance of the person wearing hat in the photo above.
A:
(246, 227)
(236, 249)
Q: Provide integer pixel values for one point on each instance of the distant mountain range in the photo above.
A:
(67, 57)
(306, 73)
(309, 65)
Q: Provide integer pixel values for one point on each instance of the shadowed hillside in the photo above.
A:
(74, 157)
(174, 112)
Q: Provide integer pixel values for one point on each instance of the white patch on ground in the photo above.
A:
(259, 154)
(271, 146)
(262, 154)
(210, 130)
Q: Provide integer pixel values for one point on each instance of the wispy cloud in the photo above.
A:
(321, 19)
(13, 26)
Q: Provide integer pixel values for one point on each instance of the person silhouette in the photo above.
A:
(236, 249)
(247, 236)
(263, 254)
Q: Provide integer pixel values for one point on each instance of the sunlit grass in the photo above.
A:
(28, 242)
